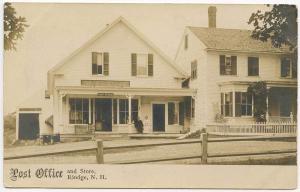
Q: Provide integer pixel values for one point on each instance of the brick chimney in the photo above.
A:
(212, 17)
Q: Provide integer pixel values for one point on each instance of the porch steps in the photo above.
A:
(155, 136)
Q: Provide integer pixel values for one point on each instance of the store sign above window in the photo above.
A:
(105, 94)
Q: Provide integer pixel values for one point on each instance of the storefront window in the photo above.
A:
(79, 111)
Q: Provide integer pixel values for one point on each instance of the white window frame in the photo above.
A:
(102, 63)
(138, 64)
(291, 68)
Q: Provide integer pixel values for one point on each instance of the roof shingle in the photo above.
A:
(233, 40)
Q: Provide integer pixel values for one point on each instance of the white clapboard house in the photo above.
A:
(119, 76)
(113, 79)
(223, 63)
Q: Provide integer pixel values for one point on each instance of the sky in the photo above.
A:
(56, 30)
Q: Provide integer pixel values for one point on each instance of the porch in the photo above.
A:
(281, 104)
(238, 106)
(109, 110)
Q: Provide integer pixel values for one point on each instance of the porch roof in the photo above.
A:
(270, 83)
(126, 91)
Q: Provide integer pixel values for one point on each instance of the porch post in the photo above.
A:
(291, 116)
(129, 109)
(233, 103)
(90, 111)
(267, 103)
(61, 109)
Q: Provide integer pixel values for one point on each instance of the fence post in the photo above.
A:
(204, 148)
(99, 152)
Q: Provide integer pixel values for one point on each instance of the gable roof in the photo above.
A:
(233, 40)
(98, 35)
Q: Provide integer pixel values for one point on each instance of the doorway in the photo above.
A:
(103, 115)
(158, 117)
(29, 127)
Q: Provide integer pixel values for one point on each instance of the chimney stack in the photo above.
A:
(212, 17)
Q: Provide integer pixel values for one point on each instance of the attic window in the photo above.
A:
(100, 63)
(194, 70)
(186, 42)
(141, 64)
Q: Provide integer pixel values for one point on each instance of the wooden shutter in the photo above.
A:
(133, 64)
(222, 64)
(233, 64)
(94, 63)
(106, 64)
(150, 64)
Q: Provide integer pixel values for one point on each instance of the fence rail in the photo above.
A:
(203, 148)
(280, 128)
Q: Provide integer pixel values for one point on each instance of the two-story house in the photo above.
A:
(223, 63)
(112, 80)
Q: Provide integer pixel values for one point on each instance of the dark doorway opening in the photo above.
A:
(158, 120)
(103, 114)
(29, 127)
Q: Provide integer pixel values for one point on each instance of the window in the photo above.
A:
(134, 109)
(79, 111)
(194, 70)
(243, 104)
(226, 104)
(286, 67)
(228, 65)
(186, 42)
(253, 66)
(172, 113)
(141, 64)
(123, 111)
(100, 63)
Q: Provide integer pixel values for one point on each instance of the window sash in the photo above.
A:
(286, 67)
(228, 65)
(227, 104)
(142, 64)
(123, 111)
(253, 66)
(243, 104)
(194, 69)
(79, 111)
(97, 63)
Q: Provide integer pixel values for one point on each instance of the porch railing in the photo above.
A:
(279, 119)
(279, 128)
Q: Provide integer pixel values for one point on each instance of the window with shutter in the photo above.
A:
(233, 65)
(194, 70)
(106, 64)
(186, 42)
(150, 64)
(222, 64)
(141, 64)
(133, 64)
(228, 65)
(97, 63)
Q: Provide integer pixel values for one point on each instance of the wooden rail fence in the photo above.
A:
(99, 148)
(204, 149)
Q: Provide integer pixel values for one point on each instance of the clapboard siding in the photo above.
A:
(119, 42)
(207, 103)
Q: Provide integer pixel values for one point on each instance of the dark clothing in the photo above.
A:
(139, 126)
